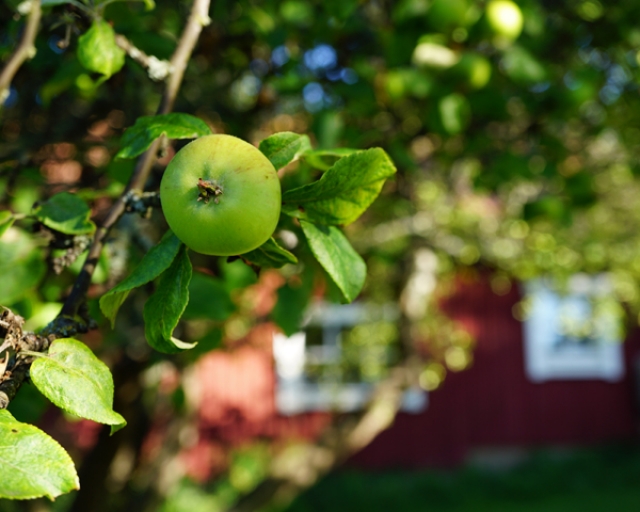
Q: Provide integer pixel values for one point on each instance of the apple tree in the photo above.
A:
(513, 127)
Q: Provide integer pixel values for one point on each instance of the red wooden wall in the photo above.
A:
(493, 404)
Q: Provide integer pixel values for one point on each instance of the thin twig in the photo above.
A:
(157, 69)
(25, 50)
(300, 466)
(197, 19)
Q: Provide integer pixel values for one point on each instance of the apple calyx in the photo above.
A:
(208, 189)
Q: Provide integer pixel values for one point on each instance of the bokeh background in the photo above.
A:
(503, 259)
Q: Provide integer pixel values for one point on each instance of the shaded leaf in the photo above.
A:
(66, 213)
(6, 221)
(137, 138)
(98, 51)
(324, 159)
(65, 76)
(154, 263)
(344, 192)
(334, 252)
(208, 299)
(164, 308)
(33, 464)
(284, 147)
(291, 305)
(269, 255)
(74, 379)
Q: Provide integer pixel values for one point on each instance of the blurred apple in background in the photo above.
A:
(505, 20)
(474, 69)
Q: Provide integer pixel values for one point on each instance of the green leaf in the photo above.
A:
(137, 139)
(49, 3)
(208, 299)
(269, 255)
(74, 379)
(324, 159)
(6, 221)
(344, 192)
(288, 312)
(334, 252)
(284, 147)
(154, 263)
(66, 213)
(21, 266)
(33, 464)
(98, 51)
(65, 76)
(164, 308)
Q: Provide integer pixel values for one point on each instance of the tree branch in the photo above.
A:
(299, 467)
(67, 322)
(157, 69)
(25, 50)
(197, 19)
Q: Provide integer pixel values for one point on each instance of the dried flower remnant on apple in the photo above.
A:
(207, 190)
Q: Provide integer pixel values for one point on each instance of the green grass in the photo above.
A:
(597, 480)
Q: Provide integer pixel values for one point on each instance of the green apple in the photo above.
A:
(221, 196)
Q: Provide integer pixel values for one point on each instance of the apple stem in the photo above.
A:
(207, 190)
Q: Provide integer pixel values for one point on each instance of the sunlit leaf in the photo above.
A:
(74, 379)
(164, 308)
(284, 147)
(98, 51)
(137, 139)
(344, 192)
(154, 263)
(334, 252)
(33, 464)
(6, 221)
(66, 213)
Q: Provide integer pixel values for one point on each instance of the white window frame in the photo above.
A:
(295, 394)
(552, 355)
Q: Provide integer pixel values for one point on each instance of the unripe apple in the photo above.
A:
(221, 196)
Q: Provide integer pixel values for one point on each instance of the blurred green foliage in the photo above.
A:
(516, 145)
